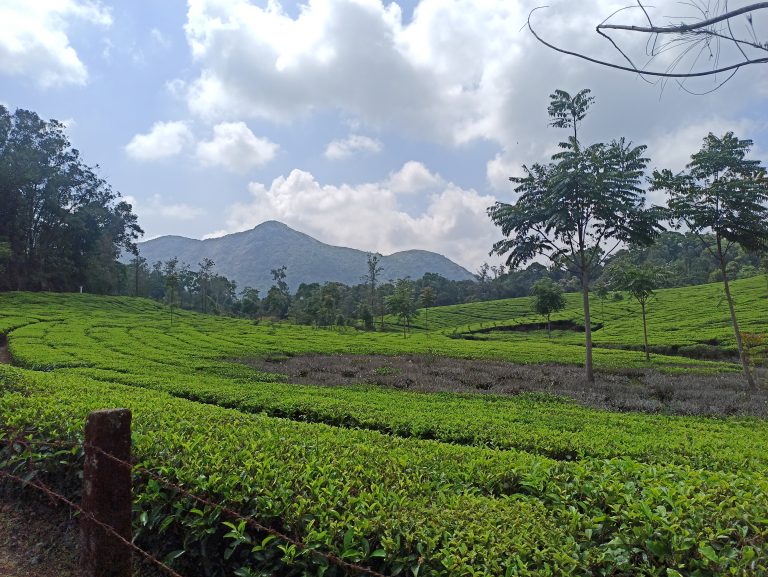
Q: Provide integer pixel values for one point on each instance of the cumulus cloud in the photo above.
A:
(414, 178)
(673, 148)
(353, 55)
(157, 206)
(372, 216)
(164, 140)
(236, 148)
(35, 43)
(354, 143)
(456, 72)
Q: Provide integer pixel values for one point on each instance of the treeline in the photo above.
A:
(62, 226)
(682, 256)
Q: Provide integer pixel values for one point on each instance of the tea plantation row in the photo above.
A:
(529, 485)
(402, 505)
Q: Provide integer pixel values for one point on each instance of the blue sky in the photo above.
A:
(382, 126)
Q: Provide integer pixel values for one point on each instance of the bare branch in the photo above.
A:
(680, 28)
(700, 36)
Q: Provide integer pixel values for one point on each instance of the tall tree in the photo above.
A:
(641, 282)
(402, 303)
(249, 302)
(65, 226)
(204, 281)
(373, 260)
(723, 193)
(548, 298)
(171, 277)
(427, 301)
(278, 299)
(577, 209)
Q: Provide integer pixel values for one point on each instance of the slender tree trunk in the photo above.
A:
(549, 328)
(645, 334)
(587, 327)
(739, 344)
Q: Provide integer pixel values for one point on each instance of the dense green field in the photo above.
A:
(688, 316)
(407, 483)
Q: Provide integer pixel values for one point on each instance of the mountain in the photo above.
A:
(247, 257)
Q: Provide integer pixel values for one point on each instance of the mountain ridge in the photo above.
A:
(248, 256)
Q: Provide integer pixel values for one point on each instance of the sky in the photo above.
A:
(377, 125)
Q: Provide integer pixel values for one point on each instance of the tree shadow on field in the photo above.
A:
(645, 390)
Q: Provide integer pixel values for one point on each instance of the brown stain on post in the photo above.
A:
(106, 494)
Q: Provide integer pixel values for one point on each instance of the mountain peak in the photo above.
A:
(248, 258)
(267, 224)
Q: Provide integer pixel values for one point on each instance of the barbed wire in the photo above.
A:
(21, 437)
(54, 496)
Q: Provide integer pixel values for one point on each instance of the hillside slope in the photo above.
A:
(695, 316)
(247, 257)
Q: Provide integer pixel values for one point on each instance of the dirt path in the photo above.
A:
(5, 358)
(36, 541)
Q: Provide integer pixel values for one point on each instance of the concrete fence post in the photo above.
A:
(106, 495)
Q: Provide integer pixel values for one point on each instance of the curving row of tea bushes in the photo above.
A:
(404, 506)
(557, 428)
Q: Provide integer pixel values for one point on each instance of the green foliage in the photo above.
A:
(641, 282)
(398, 481)
(727, 194)
(722, 191)
(548, 298)
(62, 225)
(427, 297)
(571, 207)
(402, 303)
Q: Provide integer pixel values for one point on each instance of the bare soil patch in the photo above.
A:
(626, 390)
(42, 539)
(36, 540)
(5, 356)
(560, 325)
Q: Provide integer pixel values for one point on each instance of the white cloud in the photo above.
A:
(165, 139)
(371, 216)
(673, 148)
(34, 42)
(236, 148)
(354, 143)
(353, 55)
(414, 178)
(457, 72)
(158, 207)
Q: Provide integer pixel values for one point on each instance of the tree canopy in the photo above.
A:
(641, 282)
(578, 208)
(548, 298)
(724, 194)
(61, 225)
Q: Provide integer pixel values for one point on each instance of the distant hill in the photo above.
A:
(247, 257)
